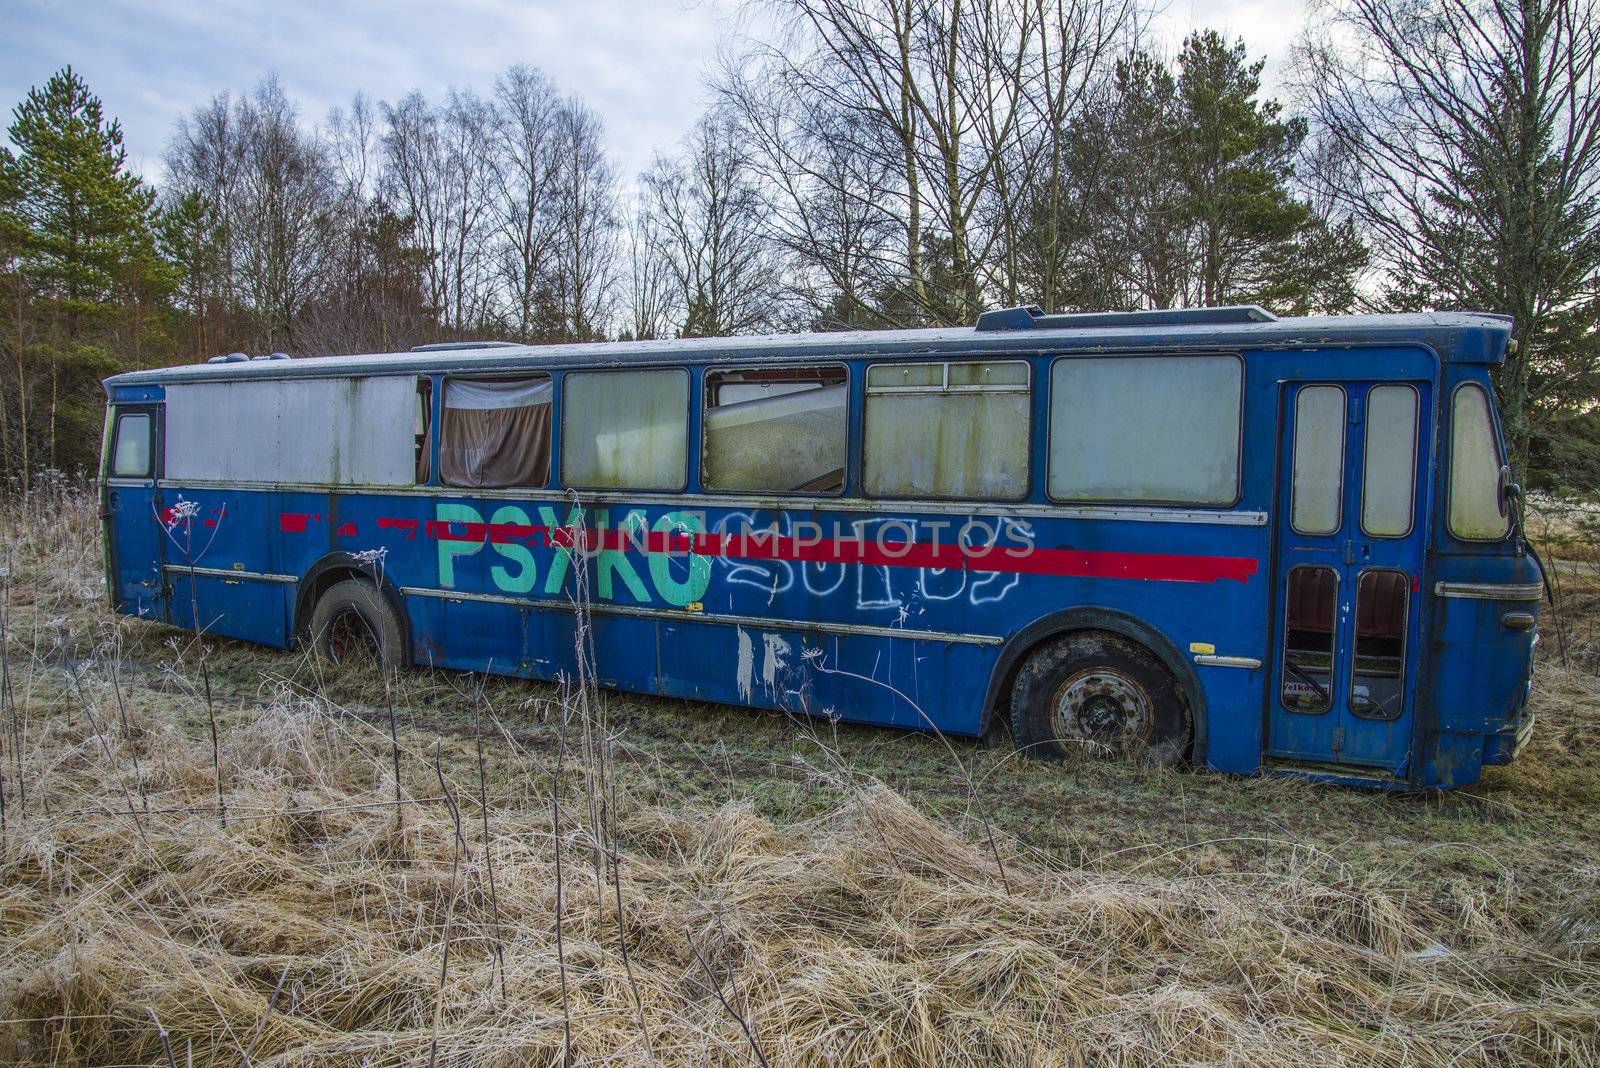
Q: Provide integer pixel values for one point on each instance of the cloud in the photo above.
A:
(641, 66)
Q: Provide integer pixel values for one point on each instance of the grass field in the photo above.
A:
(616, 880)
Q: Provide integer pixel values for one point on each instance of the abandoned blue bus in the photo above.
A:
(1209, 536)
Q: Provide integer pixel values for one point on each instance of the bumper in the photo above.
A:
(1502, 747)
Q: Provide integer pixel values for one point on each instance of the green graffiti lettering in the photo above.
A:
(450, 548)
(615, 561)
(522, 580)
(563, 554)
(692, 588)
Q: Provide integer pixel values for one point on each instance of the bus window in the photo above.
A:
(130, 458)
(330, 431)
(625, 429)
(1318, 489)
(947, 430)
(776, 430)
(1310, 609)
(1149, 430)
(495, 432)
(1375, 688)
(1476, 510)
(1389, 468)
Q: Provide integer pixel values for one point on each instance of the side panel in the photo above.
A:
(879, 612)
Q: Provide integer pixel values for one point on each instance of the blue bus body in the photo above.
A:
(891, 611)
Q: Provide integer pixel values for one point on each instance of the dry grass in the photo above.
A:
(866, 934)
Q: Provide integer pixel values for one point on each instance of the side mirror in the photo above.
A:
(1508, 490)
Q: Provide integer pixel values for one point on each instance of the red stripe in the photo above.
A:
(1164, 567)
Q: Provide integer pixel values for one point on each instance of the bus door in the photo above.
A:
(135, 539)
(1349, 572)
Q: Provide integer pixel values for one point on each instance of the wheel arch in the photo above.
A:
(333, 569)
(1020, 645)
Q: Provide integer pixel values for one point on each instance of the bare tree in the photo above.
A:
(963, 98)
(584, 191)
(528, 144)
(281, 211)
(828, 194)
(1464, 135)
(704, 215)
(438, 168)
(267, 189)
(649, 284)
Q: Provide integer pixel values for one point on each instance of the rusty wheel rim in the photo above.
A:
(351, 639)
(1104, 709)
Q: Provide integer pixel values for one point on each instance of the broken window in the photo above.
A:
(1311, 610)
(419, 430)
(947, 430)
(1381, 618)
(625, 429)
(776, 430)
(495, 432)
(130, 456)
(1145, 429)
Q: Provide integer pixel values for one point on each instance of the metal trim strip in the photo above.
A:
(761, 622)
(1248, 662)
(808, 504)
(1490, 591)
(227, 573)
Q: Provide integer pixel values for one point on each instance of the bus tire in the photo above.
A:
(1099, 693)
(353, 621)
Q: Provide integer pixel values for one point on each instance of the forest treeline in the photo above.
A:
(862, 164)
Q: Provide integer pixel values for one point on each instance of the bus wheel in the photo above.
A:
(1099, 693)
(353, 624)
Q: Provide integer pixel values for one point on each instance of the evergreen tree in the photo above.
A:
(79, 221)
(1255, 241)
(86, 214)
(1179, 190)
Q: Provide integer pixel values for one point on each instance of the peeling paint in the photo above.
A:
(747, 664)
(774, 658)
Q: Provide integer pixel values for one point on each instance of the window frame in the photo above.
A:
(1497, 440)
(1026, 389)
(1134, 502)
(148, 414)
(1355, 641)
(559, 457)
(435, 472)
(1416, 453)
(1344, 457)
(705, 387)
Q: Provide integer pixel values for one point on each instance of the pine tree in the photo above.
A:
(86, 215)
(80, 221)
(1255, 241)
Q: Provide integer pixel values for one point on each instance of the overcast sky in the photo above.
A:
(640, 64)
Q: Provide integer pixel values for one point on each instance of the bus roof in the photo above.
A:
(1461, 337)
